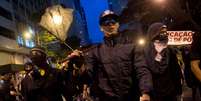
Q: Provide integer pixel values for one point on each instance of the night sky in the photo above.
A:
(93, 8)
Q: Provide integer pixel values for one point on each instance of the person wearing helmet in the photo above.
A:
(116, 65)
(44, 82)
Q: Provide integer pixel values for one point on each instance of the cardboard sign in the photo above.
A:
(180, 37)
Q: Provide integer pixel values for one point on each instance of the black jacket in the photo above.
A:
(166, 76)
(47, 87)
(116, 66)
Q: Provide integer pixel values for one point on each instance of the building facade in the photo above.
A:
(15, 23)
(26, 15)
(10, 52)
(20, 17)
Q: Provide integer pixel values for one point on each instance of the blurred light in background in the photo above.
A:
(27, 35)
(141, 41)
(159, 1)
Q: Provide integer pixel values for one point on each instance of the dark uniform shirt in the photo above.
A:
(43, 87)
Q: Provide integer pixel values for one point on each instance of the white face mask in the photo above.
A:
(159, 46)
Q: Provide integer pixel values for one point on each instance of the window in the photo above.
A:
(20, 40)
(5, 13)
(23, 42)
(7, 33)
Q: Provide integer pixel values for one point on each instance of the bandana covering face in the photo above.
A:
(159, 47)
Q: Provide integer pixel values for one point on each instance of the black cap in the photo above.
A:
(108, 15)
(162, 37)
(40, 49)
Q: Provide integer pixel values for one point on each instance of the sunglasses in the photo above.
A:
(162, 37)
(109, 22)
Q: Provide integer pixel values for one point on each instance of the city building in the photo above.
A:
(10, 52)
(17, 29)
(19, 26)
(26, 15)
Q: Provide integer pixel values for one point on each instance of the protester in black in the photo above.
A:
(44, 83)
(163, 64)
(117, 65)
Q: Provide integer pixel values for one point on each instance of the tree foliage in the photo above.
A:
(46, 37)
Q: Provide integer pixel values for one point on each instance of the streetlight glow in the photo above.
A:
(57, 19)
(27, 35)
(159, 1)
(141, 41)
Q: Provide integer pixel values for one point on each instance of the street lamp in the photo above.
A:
(27, 35)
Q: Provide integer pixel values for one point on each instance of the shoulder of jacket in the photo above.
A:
(172, 50)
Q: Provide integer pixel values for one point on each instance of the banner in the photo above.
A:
(180, 37)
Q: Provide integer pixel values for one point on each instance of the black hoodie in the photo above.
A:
(166, 74)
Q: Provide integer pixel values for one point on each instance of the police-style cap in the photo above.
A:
(108, 15)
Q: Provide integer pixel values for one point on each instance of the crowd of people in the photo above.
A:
(119, 69)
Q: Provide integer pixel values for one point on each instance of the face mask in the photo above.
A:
(37, 57)
(159, 46)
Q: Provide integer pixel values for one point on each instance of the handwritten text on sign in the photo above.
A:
(180, 37)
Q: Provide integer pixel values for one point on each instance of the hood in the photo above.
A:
(154, 30)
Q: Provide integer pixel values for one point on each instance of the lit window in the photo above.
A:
(29, 43)
(20, 40)
(25, 42)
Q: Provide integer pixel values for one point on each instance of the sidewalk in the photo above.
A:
(187, 94)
